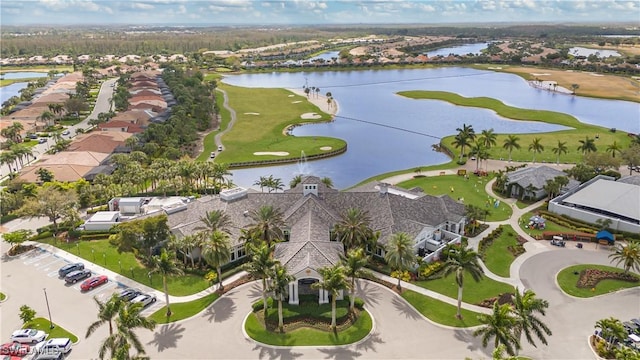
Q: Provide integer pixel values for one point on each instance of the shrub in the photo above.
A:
(43, 235)
(427, 270)
(259, 305)
(27, 314)
(358, 303)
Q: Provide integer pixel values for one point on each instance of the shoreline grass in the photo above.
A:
(44, 325)
(549, 140)
(184, 310)
(439, 311)
(309, 337)
(567, 280)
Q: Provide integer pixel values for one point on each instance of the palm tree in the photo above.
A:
(479, 150)
(587, 145)
(107, 312)
(611, 329)
(614, 148)
(267, 222)
(461, 261)
(488, 138)
(460, 141)
(217, 252)
(129, 319)
(574, 87)
(327, 182)
(166, 266)
(263, 182)
(525, 308)
(354, 265)
(353, 229)
(333, 280)
(536, 147)
(280, 280)
(215, 220)
(295, 181)
(399, 253)
(510, 143)
(499, 325)
(628, 255)
(259, 266)
(560, 149)
(45, 117)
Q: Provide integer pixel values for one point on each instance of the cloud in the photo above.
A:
(142, 6)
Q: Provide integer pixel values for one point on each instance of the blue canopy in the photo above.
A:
(604, 234)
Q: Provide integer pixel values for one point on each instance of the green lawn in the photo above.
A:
(498, 258)
(44, 325)
(471, 190)
(104, 254)
(549, 140)
(181, 311)
(209, 142)
(309, 337)
(270, 111)
(439, 311)
(567, 279)
(473, 292)
(549, 226)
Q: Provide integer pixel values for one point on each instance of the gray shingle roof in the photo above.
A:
(535, 176)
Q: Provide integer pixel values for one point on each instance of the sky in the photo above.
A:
(309, 12)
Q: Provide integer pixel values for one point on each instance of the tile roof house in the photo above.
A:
(310, 210)
(530, 181)
(65, 165)
(119, 125)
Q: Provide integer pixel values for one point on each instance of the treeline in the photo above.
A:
(193, 113)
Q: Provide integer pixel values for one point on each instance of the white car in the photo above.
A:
(30, 336)
(54, 345)
(219, 147)
(66, 132)
(144, 299)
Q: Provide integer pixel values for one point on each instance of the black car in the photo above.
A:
(129, 294)
(77, 275)
(69, 268)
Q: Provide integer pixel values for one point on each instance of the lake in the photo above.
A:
(23, 75)
(465, 49)
(370, 95)
(601, 53)
(11, 90)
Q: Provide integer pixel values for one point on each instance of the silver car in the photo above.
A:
(144, 299)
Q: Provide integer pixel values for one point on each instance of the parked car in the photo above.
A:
(66, 132)
(65, 270)
(10, 357)
(42, 141)
(212, 155)
(144, 299)
(129, 294)
(53, 346)
(14, 349)
(32, 336)
(219, 147)
(94, 282)
(75, 276)
(32, 136)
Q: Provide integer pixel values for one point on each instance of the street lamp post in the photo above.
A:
(78, 247)
(104, 257)
(150, 282)
(93, 253)
(132, 276)
(46, 299)
(120, 264)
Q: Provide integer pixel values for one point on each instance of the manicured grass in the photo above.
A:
(7, 82)
(471, 190)
(309, 337)
(181, 311)
(439, 311)
(209, 142)
(498, 258)
(2, 296)
(44, 325)
(445, 166)
(125, 264)
(276, 109)
(567, 279)
(549, 226)
(548, 140)
(472, 293)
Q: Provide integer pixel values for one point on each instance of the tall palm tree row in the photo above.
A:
(260, 264)
(511, 143)
(280, 280)
(526, 307)
(268, 223)
(216, 251)
(500, 326)
(462, 261)
(536, 147)
(165, 264)
(353, 229)
(560, 149)
(354, 264)
(587, 145)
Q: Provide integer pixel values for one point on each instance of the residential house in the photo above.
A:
(529, 182)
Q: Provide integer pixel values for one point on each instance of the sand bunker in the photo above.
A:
(592, 74)
(291, 95)
(495, 67)
(310, 116)
(252, 113)
(536, 74)
(296, 102)
(326, 148)
(275, 153)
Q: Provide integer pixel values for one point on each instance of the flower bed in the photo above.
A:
(20, 249)
(589, 278)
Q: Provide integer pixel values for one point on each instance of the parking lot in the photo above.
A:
(24, 279)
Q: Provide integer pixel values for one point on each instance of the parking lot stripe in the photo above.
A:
(37, 259)
(47, 264)
(102, 288)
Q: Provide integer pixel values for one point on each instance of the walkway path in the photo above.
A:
(225, 104)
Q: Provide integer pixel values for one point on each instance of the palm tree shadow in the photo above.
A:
(473, 343)
(256, 290)
(405, 309)
(167, 337)
(340, 353)
(370, 343)
(221, 310)
(368, 291)
(267, 352)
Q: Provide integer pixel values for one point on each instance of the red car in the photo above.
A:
(94, 282)
(14, 349)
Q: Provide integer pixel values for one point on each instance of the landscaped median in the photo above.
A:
(499, 249)
(57, 331)
(439, 311)
(588, 280)
(184, 310)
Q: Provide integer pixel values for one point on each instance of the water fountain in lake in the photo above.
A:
(303, 166)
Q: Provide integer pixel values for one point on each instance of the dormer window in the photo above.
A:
(310, 189)
(286, 234)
